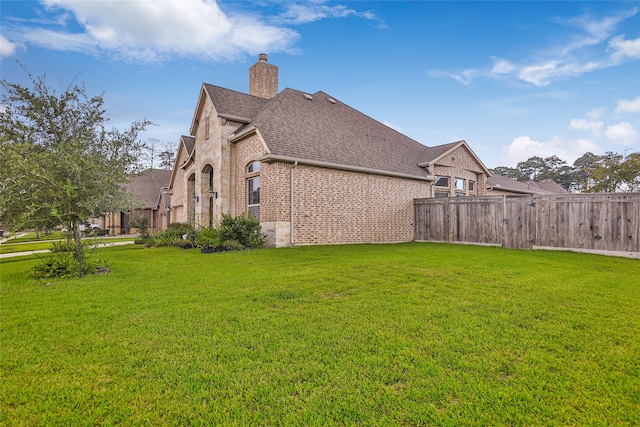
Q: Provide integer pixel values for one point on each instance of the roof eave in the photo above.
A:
(329, 165)
(458, 145)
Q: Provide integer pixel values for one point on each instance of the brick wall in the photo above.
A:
(461, 164)
(334, 206)
(330, 206)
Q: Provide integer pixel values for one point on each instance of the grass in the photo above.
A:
(408, 334)
(31, 236)
(27, 246)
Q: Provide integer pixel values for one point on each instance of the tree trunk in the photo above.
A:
(79, 252)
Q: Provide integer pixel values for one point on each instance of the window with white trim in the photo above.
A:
(253, 190)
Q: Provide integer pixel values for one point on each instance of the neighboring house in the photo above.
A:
(147, 189)
(499, 185)
(312, 169)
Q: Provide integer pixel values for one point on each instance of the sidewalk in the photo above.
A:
(13, 254)
(4, 239)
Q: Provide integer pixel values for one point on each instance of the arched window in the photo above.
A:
(253, 189)
(253, 167)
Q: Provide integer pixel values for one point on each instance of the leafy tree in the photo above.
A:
(609, 172)
(613, 172)
(59, 163)
(508, 172)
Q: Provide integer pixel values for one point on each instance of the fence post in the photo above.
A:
(505, 225)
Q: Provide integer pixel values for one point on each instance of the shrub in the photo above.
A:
(183, 243)
(232, 245)
(63, 262)
(208, 237)
(244, 230)
(175, 231)
(141, 223)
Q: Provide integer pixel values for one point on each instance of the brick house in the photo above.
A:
(147, 191)
(312, 169)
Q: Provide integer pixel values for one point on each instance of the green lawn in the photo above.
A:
(26, 246)
(408, 334)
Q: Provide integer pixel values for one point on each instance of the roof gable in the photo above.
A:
(186, 147)
(228, 103)
(437, 153)
(320, 128)
(146, 186)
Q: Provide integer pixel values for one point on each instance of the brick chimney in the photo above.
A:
(263, 78)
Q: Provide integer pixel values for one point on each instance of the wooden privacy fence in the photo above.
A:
(594, 222)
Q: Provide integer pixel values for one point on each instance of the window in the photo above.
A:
(472, 185)
(459, 194)
(441, 194)
(206, 128)
(459, 184)
(253, 197)
(253, 167)
(442, 181)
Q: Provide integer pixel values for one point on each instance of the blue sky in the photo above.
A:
(513, 79)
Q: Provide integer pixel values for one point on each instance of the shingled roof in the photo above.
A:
(317, 127)
(231, 103)
(146, 186)
(546, 186)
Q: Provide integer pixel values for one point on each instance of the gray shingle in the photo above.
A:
(321, 130)
(234, 103)
(146, 186)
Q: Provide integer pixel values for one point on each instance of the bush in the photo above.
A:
(232, 245)
(141, 223)
(244, 230)
(183, 243)
(176, 231)
(208, 237)
(62, 262)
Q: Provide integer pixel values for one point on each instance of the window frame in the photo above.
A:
(440, 178)
(253, 191)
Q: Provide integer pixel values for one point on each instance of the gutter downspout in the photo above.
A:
(291, 230)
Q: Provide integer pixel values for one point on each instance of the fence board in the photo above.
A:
(602, 222)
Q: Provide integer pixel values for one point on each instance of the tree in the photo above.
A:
(166, 159)
(59, 163)
(157, 154)
(507, 172)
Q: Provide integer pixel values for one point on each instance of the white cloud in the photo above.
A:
(628, 106)
(541, 74)
(523, 147)
(155, 31)
(574, 55)
(595, 114)
(624, 49)
(583, 124)
(501, 66)
(6, 47)
(622, 133)
(302, 13)
(148, 31)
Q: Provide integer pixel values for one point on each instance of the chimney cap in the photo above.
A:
(262, 57)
